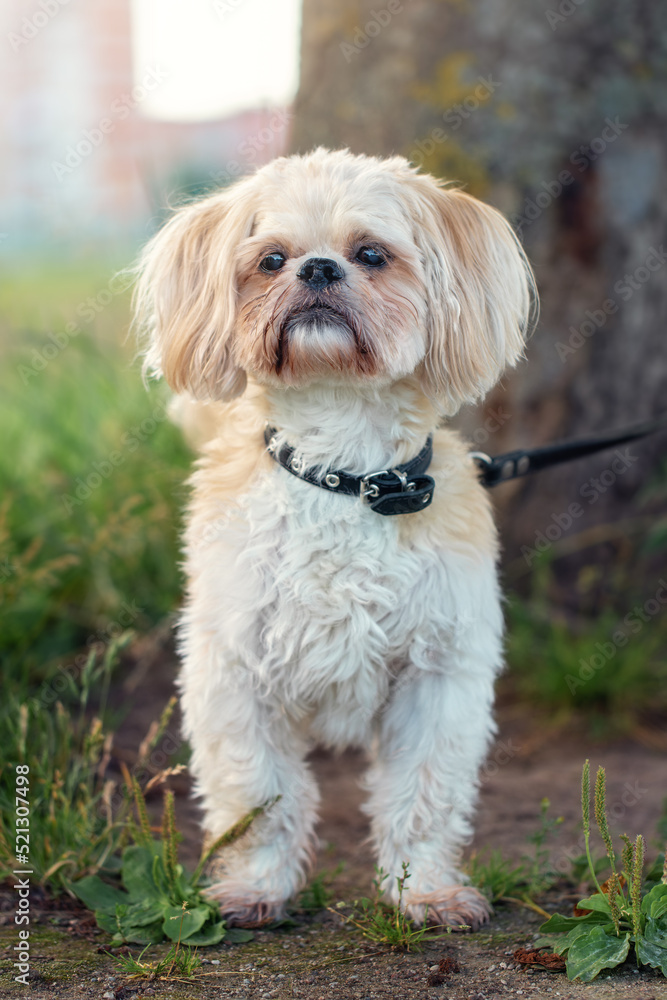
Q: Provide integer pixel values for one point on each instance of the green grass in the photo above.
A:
(55, 775)
(387, 924)
(503, 880)
(92, 475)
(318, 894)
(179, 963)
(609, 667)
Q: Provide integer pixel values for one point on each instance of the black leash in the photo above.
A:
(405, 489)
(514, 464)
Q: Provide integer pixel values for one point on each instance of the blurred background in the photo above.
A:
(554, 111)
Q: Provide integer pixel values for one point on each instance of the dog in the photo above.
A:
(349, 304)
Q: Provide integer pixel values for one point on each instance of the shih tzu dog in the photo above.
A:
(329, 311)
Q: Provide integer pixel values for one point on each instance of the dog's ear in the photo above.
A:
(185, 296)
(481, 294)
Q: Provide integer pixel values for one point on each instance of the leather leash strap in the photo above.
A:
(514, 464)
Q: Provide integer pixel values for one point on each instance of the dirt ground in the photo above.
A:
(321, 958)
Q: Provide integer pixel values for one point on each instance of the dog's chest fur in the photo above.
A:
(323, 604)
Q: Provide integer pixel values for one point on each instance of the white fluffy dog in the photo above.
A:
(348, 303)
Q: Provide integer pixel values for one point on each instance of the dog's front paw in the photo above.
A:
(243, 906)
(455, 906)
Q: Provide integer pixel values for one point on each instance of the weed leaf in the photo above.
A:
(132, 934)
(559, 924)
(594, 951)
(652, 947)
(192, 920)
(98, 895)
(654, 903)
(143, 913)
(107, 920)
(213, 932)
(238, 935)
(599, 903)
(138, 872)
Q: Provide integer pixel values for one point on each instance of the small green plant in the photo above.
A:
(518, 882)
(540, 874)
(580, 869)
(318, 894)
(179, 962)
(159, 899)
(495, 876)
(384, 924)
(620, 915)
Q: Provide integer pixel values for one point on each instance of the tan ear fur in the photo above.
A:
(481, 294)
(185, 297)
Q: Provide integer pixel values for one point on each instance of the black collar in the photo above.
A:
(401, 490)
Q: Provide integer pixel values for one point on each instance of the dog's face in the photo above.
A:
(335, 267)
(330, 282)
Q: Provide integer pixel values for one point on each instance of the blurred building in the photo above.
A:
(79, 161)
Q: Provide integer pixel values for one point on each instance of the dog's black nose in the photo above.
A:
(318, 272)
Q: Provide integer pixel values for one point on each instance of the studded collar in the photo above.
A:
(403, 489)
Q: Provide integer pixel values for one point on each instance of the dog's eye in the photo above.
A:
(273, 262)
(366, 255)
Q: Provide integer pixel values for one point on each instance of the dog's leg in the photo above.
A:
(244, 755)
(433, 738)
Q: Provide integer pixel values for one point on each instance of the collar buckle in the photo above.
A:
(367, 490)
(371, 491)
(403, 489)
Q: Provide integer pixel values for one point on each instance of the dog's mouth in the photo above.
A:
(308, 324)
(317, 314)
